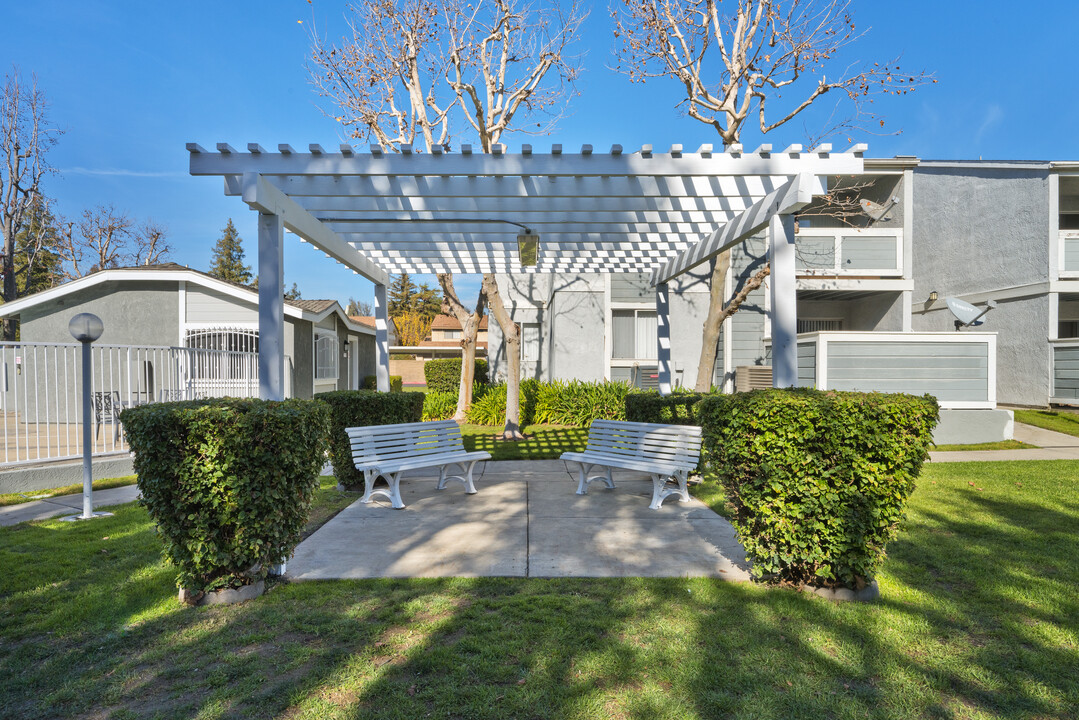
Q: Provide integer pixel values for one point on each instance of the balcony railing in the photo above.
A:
(849, 251)
(1065, 372)
(959, 369)
(1069, 253)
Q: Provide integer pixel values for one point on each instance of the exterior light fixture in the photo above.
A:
(86, 328)
(933, 296)
(528, 248)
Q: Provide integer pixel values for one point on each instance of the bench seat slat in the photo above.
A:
(416, 463)
(642, 464)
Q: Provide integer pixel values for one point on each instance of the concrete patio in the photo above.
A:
(525, 521)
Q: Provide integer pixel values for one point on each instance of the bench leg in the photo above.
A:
(584, 480)
(661, 492)
(393, 494)
(465, 476)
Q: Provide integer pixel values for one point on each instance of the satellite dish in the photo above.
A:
(876, 211)
(966, 315)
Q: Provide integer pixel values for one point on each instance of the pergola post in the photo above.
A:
(784, 300)
(271, 308)
(382, 340)
(663, 337)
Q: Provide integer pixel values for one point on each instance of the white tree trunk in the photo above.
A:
(511, 338)
(706, 367)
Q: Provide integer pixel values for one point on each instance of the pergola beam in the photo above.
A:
(264, 197)
(230, 162)
(789, 198)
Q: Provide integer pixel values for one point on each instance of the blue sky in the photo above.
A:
(132, 82)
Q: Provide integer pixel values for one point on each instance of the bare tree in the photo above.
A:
(409, 64)
(151, 243)
(765, 59)
(107, 238)
(499, 61)
(26, 136)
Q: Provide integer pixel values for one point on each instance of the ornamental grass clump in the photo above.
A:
(817, 481)
(356, 408)
(228, 482)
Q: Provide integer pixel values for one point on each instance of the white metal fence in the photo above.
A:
(41, 391)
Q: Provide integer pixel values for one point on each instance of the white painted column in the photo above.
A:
(784, 301)
(382, 340)
(271, 308)
(663, 337)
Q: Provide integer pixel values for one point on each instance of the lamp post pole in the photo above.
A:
(86, 328)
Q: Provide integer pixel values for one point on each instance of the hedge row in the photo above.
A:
(675, 409)
(370, 382)
(445, 375)
(353, 408)
(817, 480)
(574, 403)
(228, 482)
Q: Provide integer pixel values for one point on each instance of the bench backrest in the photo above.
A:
(678, 445)
(384, 443)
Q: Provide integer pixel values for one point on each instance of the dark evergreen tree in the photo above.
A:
(228, 258)
(427, 301)
(401, 295)
(38, 265)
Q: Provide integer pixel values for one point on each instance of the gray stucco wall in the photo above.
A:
(145, 313)
(977, 230)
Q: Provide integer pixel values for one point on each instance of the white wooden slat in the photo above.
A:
(317, 162)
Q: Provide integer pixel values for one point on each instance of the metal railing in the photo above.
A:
(41, 387)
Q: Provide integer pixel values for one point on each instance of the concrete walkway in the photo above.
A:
(525, 521)
(1050, 446)
(65, 505)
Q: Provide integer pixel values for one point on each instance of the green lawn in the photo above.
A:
(999, 445)
(1064, 422)
(544, 442)
(104, 484)
(979, 620)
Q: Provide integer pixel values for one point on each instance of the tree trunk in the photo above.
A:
(511, 338)
(706, 367)
(717, 321)
(9, 279)
(470, 328)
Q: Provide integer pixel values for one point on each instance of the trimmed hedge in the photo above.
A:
(445, 375)
(651, 407)
(817, 480)
(228, 482)
(574, 403)
(354, 408)
(370, 382)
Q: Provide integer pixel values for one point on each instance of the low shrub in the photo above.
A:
(445, 375)
(574, 403)
(354, 408)
(577, 403)
(817, 481)
(651, 407)
(228, 482)
(439, 405)
(370, 382)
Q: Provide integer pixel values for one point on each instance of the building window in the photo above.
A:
(451, 334)
(1068, 329)
(530, 342)
(634, 334)
(326, 356)
(808, 326)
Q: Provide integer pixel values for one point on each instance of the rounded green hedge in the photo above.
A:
(356, 408)
(444, 375)
(817, 480)
(228, 482)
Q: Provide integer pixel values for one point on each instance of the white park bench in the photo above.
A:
(666, 452)
(389, 450)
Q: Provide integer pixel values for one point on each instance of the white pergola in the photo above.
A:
(389, 212)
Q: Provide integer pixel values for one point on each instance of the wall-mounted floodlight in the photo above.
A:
(528, 248)
(966, 315)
